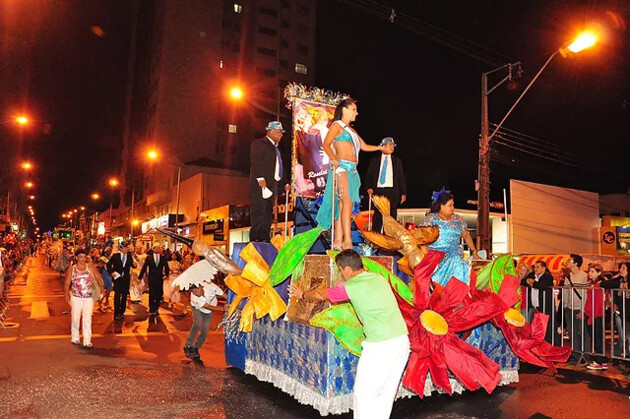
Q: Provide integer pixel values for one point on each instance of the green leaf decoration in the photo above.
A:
(291, 254)
(341, 320)
(491, 276)
(397, 284)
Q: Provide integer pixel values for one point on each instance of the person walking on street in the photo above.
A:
(386, 346)
(202, 300)
(78, 293)
(119, 266)
(107, 281)
(156, 268)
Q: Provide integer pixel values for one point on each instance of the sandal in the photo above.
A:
(337, 247)
(347, 246)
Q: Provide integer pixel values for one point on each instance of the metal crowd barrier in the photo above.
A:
(567, 312)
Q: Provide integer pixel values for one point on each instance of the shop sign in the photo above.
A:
(623, 240)
(213, 227)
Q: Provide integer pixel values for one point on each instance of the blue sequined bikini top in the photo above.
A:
(348, 136)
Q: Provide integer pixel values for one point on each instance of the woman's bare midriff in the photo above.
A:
(344, 151)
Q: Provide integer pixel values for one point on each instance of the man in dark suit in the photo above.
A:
(265, 175)
(118, 266)
(156, 268)
(540, 297)
(385, 177)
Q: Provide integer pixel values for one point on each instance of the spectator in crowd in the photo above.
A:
(174, 267)
(540, 297)
(523, 271)
(79, 279)
(594, 312)
(615, 284)
(573, 300)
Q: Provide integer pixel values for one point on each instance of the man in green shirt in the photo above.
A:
(386, 346)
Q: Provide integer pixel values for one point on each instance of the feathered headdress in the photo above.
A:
(436, 195)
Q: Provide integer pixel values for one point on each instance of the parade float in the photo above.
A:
(463, 336)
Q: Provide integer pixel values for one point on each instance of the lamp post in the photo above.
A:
(113, 183)
(484, 242)
(238, 94)
(154, 156)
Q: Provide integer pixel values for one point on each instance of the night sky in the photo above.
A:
(423, 93)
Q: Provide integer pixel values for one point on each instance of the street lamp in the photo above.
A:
(22, 120)
(113, 183)
(31, 197)
(26, 165)
(29, 185)
(95, 197)
(237, 94)
(179, 178)
(583, 41)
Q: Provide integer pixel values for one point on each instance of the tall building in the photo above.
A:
(186, 56)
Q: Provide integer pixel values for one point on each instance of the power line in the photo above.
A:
(438, 35)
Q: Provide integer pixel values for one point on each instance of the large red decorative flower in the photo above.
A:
(433, 322)
(526, 340)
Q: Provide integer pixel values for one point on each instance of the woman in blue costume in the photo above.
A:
(452, 229)
(342, 145)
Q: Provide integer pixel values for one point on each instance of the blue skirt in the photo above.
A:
(324, 215)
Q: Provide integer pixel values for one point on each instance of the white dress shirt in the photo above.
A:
(210, 292)
(389, 172)
(276, 173)
(535, 293)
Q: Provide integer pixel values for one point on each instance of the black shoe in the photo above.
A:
(189, 352)
(198, 361)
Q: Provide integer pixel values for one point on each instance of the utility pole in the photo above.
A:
(483, 180)
(484, 241)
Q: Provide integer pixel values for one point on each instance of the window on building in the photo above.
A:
(267, 31)
(285, 24)
(221, 64)
(238, 8)
(302, 49)
(268, 11)
(301, 68)
(267, 51)
(284, 43)
(265, 72)
(232, 129)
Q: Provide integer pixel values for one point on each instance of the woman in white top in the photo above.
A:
(78, 282)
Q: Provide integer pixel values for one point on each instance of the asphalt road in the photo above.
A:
(137, 371)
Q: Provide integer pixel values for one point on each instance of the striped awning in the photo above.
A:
(554, 262)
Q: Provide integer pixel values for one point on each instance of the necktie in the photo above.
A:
(279, 157)
(383, 177)
(156, 257)
(124, 259)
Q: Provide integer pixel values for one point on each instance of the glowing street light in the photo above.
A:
(26, 165)
(135, 222)
(113, 182)
(82, 208)
(152, 154)
(31, 197)
(236, 93)
(29, 185)
(22, 120)
(583, 41)
(95, 196)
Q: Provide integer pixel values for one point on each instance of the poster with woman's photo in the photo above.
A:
(310, 167)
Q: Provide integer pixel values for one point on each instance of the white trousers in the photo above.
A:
(81, 307)
(379, 372)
